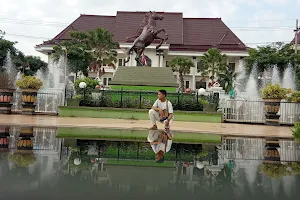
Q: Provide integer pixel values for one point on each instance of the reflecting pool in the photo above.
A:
(35, 162)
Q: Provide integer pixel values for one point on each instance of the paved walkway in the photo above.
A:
(196, 127)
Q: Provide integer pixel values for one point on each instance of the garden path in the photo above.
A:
(179, 126)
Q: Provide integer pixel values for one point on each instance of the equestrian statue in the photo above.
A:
(149, 33)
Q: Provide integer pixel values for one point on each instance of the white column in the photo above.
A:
(131, 59)
(161, 64)
(194, 69)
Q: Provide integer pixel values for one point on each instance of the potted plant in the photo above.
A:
(272, 96)
(22, 158)
(25, 143)
(29, 86)
(4, 134)
(6, 93)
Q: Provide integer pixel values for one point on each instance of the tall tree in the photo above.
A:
(182, 65)
(33, 64)
(95, 47)
(78, 58)
(226, 79)
(5, 46)
(19, 60)
(214, 63)
(280, 54)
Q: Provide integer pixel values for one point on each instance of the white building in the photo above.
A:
(190, 37)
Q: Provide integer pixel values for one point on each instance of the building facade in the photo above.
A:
(190, 37)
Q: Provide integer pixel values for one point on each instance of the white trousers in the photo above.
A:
(154, 117)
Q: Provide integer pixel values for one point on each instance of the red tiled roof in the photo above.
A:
(186, 34)
(208, 31)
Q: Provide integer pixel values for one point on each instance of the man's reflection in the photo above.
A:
(161, 143)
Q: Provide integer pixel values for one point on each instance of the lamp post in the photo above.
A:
(24, 69)
(82, 85)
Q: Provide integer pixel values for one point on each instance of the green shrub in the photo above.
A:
(29, 82)
(145, 100)
(296, 131)
(90, 85)
(275, 170)
(295, 97)
(274, 92)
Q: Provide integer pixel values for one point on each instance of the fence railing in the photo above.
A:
(143, 99)
(242, 148)
(244, 111)
(46, 103)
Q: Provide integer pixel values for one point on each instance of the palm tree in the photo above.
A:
(182, 65)
(213, 63)
(226, 79)
(97, 46)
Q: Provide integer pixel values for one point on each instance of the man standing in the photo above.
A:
(162, 111)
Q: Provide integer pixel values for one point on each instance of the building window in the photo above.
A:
(121, 62)
(109, 80)
(200, 84)
(187, 84)
(104, 81)
(148, 62)
(231, 67)
(200, 67)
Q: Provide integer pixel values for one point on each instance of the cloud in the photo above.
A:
(32, 18)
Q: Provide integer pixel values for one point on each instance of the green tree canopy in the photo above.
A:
(278, 53)
(226, 79)
(214, 63)
(91, 49)
(19, 60)
(182, 65)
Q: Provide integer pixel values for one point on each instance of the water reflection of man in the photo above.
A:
(161, 143)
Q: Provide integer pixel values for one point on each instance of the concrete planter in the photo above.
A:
(29, 97)
(6, 97)
(272, 107)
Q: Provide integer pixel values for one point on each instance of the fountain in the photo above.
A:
(54, 82)
(288, 80)
(252, 92)
(241, 109)
(241, 77)
(275, 76)
(11, 71)
(7, 85)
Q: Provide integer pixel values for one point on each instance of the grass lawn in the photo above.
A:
(140, 163)
(143, 88)
(95, 133)
(134, 114)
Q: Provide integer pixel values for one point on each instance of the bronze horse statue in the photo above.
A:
(148, 35)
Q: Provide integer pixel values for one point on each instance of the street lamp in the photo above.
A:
(24, 69)
(82, 85)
